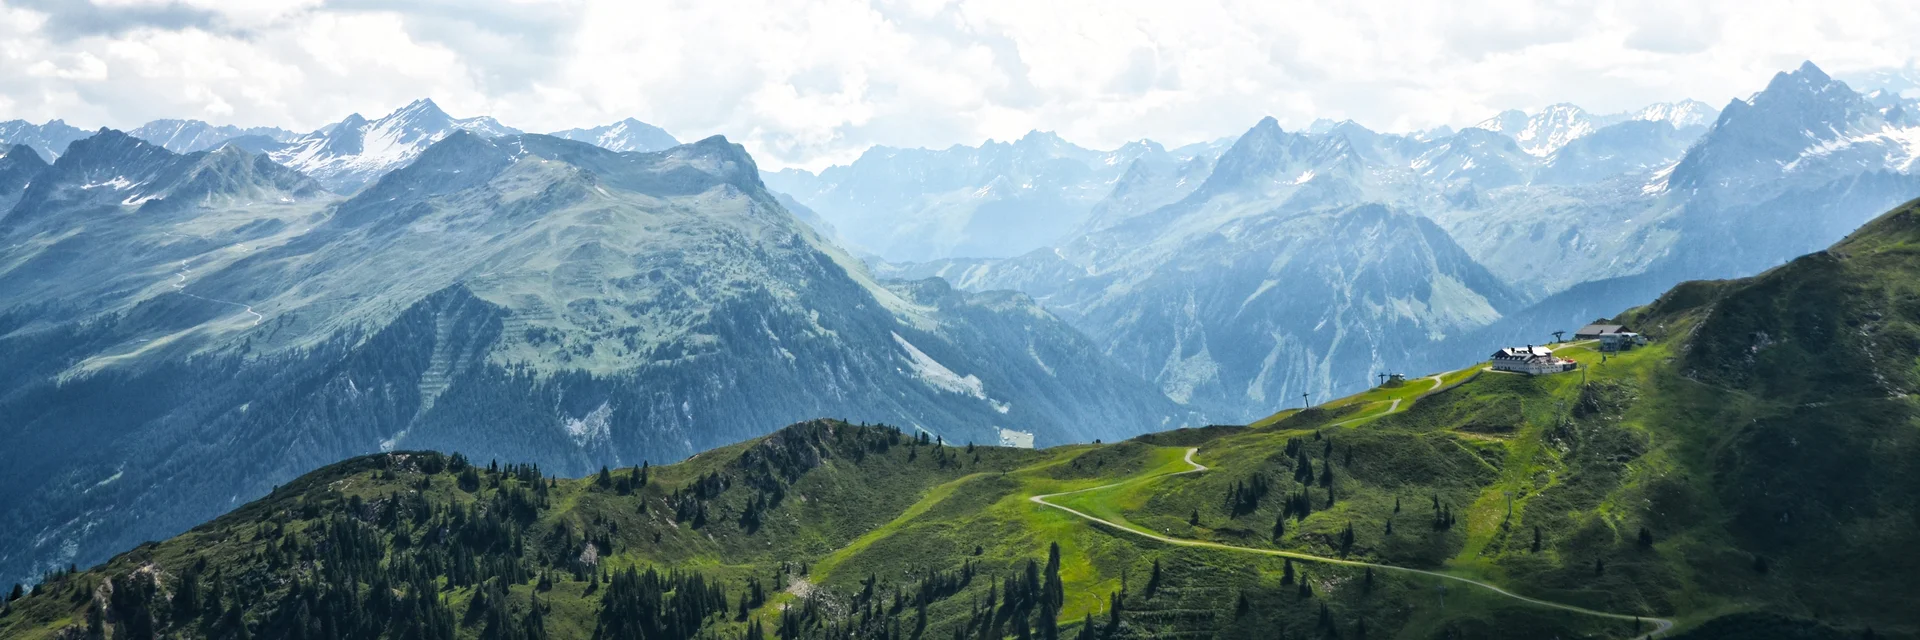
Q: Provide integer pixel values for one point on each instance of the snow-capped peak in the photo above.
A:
(1553, 128)
(1682, 114)
(1542, 133)
(626, 135)
(355, 151)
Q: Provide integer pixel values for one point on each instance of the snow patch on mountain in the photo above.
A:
(595, 427)
(938, 375)
(1900, 146)
(1543, 133)
(1682, 114)
(1016, 439)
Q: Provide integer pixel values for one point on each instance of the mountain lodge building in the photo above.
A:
(1595, 331)
(1531, 360)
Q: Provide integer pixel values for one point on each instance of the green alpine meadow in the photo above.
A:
(1751, 471)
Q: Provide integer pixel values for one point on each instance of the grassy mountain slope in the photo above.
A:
(810, 514)
(1750, 474)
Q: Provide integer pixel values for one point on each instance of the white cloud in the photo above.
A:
(817, 82)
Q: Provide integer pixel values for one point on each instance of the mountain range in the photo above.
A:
(1558, 125)
(1530, 223)
(194, 329)
(344, 156)
(999, 199)
(206, 311)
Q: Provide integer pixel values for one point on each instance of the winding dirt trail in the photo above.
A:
(1395, 407)
(1660, 625)
(181, 288)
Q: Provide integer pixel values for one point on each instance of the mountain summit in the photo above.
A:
(1804, 126)
(348, 154)
(625, 135)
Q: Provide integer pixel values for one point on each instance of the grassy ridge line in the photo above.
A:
(1394, 407)
(1381, 401)
(1661, 625)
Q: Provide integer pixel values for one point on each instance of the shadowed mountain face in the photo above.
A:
(202, 327)
(19, 165)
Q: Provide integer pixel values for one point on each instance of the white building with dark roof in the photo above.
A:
(1531, 360)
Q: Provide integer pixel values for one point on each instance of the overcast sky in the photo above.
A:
(812, 83)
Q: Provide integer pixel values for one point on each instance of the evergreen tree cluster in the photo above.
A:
(690, 503)
(1298, 505)
(672, 606)
(1244, 497)
(1024, 606)
(323, 566)
(1443, 518)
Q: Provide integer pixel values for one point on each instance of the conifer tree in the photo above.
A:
(96, 620)
(1056, 594)
(534, 626)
